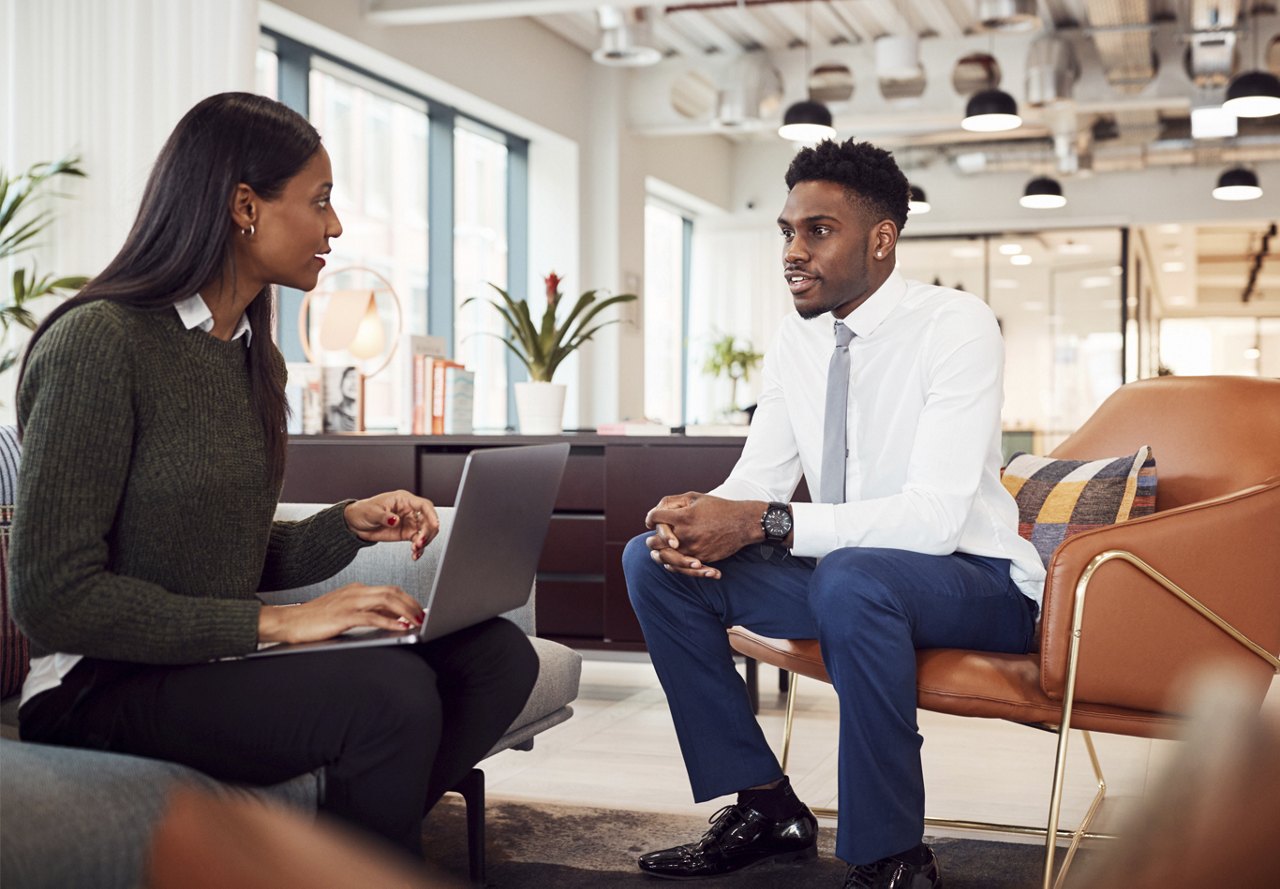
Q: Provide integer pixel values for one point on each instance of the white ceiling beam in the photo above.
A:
(666, 35)
(578, 30)
(829, 28)
(790, 19)
(703, 28)
(435, 12)
(752, 27)
(936, 16)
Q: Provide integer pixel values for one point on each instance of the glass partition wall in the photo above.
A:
(1058, 296)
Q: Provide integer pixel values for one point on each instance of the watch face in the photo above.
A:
(777, 523)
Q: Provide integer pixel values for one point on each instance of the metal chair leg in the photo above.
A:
(472, 790)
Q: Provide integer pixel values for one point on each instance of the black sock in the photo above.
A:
(774, 802)
(917, 855)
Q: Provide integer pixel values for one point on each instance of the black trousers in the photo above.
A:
(393, 728)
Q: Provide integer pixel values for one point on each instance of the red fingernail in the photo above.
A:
(392, 519)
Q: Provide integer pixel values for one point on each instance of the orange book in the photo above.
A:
(438, 367)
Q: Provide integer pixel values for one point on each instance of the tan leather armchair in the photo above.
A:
(1195, 584)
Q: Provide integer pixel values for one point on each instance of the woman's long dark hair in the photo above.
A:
(181, 237)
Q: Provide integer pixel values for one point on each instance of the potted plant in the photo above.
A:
(18, 235)
(542, 346)
(727, 358)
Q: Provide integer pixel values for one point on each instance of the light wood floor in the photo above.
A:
(619, 751)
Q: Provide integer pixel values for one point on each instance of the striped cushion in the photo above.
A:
(14, 650)
(1059, 498)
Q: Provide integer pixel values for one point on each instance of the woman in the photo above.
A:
(153, 412)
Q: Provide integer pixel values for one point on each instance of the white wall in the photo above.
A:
(107, 82)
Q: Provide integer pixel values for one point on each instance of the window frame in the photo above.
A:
(294, 64)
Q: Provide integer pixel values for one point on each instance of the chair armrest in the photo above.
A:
(386, 563)
(1140, 643)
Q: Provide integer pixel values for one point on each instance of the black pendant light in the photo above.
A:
(991, 111)
(1043, 193)
(1238, 184)
(1253, 94)
(807, 120)
(917, 203)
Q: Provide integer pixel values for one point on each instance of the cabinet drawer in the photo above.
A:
(575, 545)
(620, 621)
(581, 489)
(639, 476)
(570, 608)
(367, 468)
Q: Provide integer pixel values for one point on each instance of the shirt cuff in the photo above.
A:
(813, 532)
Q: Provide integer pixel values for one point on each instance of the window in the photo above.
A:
(1241, 346)
(665, 289)
(1057, 296)
(480, 259)
(377, 141)
(401, 162)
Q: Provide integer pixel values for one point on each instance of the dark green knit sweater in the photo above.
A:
(143, 524)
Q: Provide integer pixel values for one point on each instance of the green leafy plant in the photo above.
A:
(18, 231)
(542, 346)
(728, 359)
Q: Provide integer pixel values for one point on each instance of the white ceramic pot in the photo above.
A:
(540, 408)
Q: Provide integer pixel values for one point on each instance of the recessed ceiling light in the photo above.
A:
(1010, 249)
(967, 252)
(1173, 267)
(1074, 248)
(1253, 353)
(1020, 259)
(1004, 284)
(1093, 282)
(1170, 228)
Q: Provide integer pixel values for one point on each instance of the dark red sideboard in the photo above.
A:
(609, 485)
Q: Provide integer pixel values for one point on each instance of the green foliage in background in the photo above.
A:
(729, 359)
(20, 225)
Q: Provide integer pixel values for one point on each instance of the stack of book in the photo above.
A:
(439, 393)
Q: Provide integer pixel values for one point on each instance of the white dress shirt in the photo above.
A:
(923, 467)
(47, 672)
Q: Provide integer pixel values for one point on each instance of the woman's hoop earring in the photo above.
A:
(248, 232)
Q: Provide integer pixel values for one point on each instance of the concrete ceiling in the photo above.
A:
(1142, 66)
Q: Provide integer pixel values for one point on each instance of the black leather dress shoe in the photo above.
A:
(890, 873)
(739, 837)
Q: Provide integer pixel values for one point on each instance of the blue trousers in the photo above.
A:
(870, 609)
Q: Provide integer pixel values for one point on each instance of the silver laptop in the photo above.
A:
(502, 513)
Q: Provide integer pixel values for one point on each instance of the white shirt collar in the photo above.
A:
(867, 317)
(195, 313)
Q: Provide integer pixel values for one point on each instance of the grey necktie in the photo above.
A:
(834, 446)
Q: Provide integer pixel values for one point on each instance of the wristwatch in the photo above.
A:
(776, 522)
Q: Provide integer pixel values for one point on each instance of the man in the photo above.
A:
(913, 543)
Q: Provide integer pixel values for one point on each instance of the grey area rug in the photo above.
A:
(545, 846)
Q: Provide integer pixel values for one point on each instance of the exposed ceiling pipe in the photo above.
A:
(1037, 156)
(1127, 54)
(1213, 42)
(1052, 71)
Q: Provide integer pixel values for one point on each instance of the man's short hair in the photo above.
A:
(870, 173)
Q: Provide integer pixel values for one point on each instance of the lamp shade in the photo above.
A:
(1043, 193)
(991, 111)
(1238, 184)
(917, 203)
(1253, 94)
(807, 121)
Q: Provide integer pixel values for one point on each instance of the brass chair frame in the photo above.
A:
(1052, 833)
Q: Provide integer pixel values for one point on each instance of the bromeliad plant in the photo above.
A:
(18, 235)
(542, 346)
